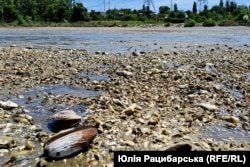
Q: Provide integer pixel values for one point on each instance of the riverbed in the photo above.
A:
(143, 88)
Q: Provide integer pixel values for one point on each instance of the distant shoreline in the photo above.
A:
(118, 23)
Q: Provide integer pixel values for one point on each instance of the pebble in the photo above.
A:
(208, 106)
(129, 143)
(233, 120)
(8, 105)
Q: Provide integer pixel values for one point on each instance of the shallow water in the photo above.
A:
(93, 77)
(42, 111)
(123, 39)
(248, 77)
(222, 133)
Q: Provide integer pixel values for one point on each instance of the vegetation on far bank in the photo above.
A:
(67, 13)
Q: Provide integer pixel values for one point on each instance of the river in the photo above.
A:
(123, 39)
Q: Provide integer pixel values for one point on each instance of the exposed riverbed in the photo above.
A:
(193, 91)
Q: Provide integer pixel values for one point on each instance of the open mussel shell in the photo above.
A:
(66, 115)
(70, 142)
(63, 120)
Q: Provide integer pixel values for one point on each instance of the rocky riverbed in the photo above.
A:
(198, 95)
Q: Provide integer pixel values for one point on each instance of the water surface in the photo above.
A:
(123, 39)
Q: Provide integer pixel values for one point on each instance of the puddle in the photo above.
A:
(66, 90)
(33, 101)
(248, 77)
(221, 133)
(42, 111)
(235, 93)
(210, 68)
(94, 77)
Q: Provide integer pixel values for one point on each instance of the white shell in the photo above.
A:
(124, 73)
(66, 115)
(8, 105)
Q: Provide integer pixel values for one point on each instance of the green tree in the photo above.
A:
(221, 3)
(175, 7)
(233, 7)
(205, 7)
(218, 10)
(194, 7)
(9, 12)
(1, 11)
(79, 13)
(227, 6)
(95, 15)
(63, 11)
(113, 14)
(164, 9)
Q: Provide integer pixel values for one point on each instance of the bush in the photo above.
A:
(199, 19)
(228, 23)
(209, 23)
(167, 24)
(175, 20)
(189, 23)
(20, 20)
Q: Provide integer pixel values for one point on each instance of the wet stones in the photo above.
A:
(131, 109)
(7, 142)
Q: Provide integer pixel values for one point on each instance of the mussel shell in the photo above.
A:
(66, 115)
(63, 120)
(58, 125)
(70, 142)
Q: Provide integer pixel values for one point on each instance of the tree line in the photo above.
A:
(42, 10)
(30, 11)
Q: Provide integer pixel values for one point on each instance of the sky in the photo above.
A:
(98, 5)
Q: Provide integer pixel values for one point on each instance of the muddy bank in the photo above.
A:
(138, 101)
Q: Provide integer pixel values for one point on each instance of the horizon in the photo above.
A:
(184, 5)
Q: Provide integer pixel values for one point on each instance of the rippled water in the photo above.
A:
(123, 39)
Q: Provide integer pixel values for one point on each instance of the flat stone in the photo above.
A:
(208, 106)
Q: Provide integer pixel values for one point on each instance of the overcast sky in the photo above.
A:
(98, 5)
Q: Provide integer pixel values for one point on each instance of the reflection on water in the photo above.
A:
(122, 39)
